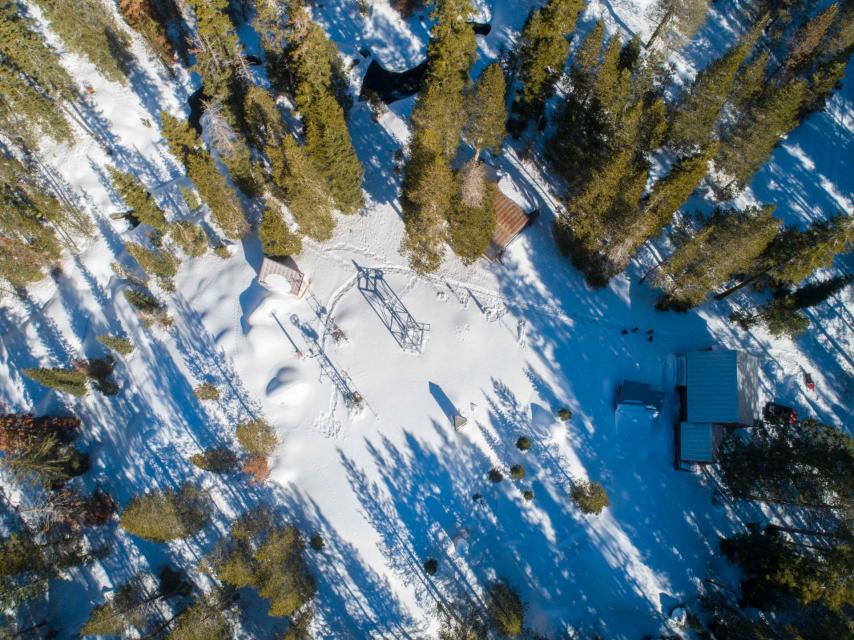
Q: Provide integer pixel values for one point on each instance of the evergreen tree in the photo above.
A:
(263, 119)
(65, 380)
(782, 315)
(31, 223)
(147, 18)
(728, 243)
(269, 559)
(161, 516)
(219, 59)
(276, 238)
(212, 185)
(450, 54)
(328, 145)
(806, 40)
(805, 464)
(796, 253)
(486, 111)
(428, 191)
(665, 198)
(33, 83)
(590, 497)
(257, 438)
(505, 610)
(97, 38)
(750, 143)
(218, 460)
(543, 49)
(270, 23)
(775, 569)
(190, 237)
(296, 177)
(24, 570)
(140, 202)
(586, 58)
(230, 146)
(471, 221)
(677, 20)
(120, 345)
(750, 83)
(701, 104)
(203, 620)
(161, 264)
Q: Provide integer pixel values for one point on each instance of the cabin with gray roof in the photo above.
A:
(719, 390)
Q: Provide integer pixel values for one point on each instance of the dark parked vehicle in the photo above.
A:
(780, 413)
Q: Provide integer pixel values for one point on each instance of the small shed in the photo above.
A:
(510, 220)
(283, 274)
(722, 387)
(697, 442)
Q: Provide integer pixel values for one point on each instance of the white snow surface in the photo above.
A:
(507, 345)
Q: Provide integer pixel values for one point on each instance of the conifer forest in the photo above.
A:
(427, 319)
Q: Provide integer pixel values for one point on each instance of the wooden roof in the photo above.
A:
(510, 219)
(284, 267)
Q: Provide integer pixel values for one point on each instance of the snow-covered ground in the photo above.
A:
(507, 345)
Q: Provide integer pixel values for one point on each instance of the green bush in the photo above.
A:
(218, 460)
(590, 497)
(495, 475)
(564, 414)
(517, 472)
(505, 611)
(257, 438)
(523, 443)
(316, 542)
(206, 391)
(528, 495)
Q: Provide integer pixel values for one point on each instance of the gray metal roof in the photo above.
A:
(696, 442)
(722, 387)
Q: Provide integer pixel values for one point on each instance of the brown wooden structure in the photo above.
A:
(283, 273)
(510, 219)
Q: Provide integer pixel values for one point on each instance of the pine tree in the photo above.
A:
(230, 145)
(313, 65)
(257, 438)
(146, 18)
(782, 315)
(140, 201)
(120, 345)
(304, 192)
(428, 192)
(542, 52)
(65, 380)
(796, 253)
(161, 516)
(270, 23)
(505, 610)
(24, 570)
(98, 38)
(276, 238)
(203, 620)
(269, 559)
(161, 264)
(263, 119)
(665, 198)
(806, 40)
(190, 237)
(677, 20)
(33, 84)
(728, 243)
(471, 221)
(586, 58)
(219, 58)
(486, 111)
(186, 146)
(749, 145)
(750, 83)
(328, 145)
(701, 103)
(613, 86)
(450, 54)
